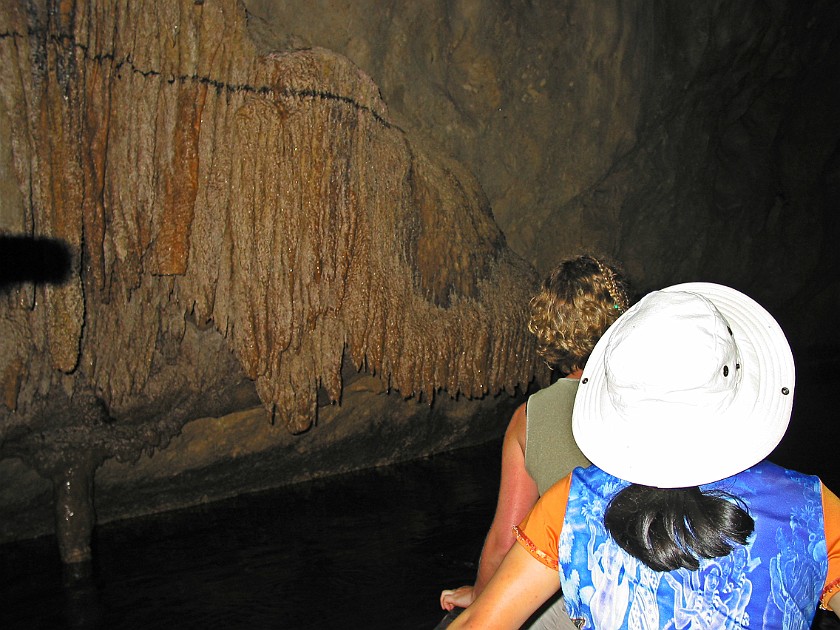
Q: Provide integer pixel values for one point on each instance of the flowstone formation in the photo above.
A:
(689, 140)
(238, 225)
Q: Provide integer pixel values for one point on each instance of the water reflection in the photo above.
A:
(370, 549)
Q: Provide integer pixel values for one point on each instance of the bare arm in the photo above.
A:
(834, 603)
(517, 495)
(518, 588)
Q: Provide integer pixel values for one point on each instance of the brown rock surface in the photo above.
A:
(255, 230)
(239, 225)
(688, 140)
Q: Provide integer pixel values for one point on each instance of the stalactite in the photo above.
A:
(74, 511)
(267, 198)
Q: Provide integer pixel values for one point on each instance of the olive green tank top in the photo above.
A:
(551, 452)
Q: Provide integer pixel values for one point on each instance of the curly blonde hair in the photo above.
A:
(578, 301)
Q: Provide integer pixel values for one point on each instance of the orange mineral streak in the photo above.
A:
(267, 196)
(96, 127)
(170, 246)
(59, 188)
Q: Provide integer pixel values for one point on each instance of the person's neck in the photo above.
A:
(575, 375)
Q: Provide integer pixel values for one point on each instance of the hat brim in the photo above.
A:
(668, 454)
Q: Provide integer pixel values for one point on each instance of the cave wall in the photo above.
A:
(240, 228)
(692, 141)
(308, 212)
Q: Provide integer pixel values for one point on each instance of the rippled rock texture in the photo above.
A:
(689, 140)
(239, 227)
(267, 208)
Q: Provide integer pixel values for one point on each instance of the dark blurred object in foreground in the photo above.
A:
(28, 259)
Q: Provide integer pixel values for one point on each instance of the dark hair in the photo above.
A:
(671, 528)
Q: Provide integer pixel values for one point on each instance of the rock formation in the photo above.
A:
(246, 227)
(239, 226)
(689, 140)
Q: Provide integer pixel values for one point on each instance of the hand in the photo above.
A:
(460, 597)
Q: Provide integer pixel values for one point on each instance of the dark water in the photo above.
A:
(365, 550)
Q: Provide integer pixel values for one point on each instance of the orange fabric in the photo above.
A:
(831, 514)
(540, 539)
(540, 530)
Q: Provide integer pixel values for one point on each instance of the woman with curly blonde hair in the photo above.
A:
(575, 305)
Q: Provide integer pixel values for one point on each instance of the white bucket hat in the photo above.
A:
(691, 385)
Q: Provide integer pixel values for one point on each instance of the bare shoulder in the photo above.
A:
(518, 425)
